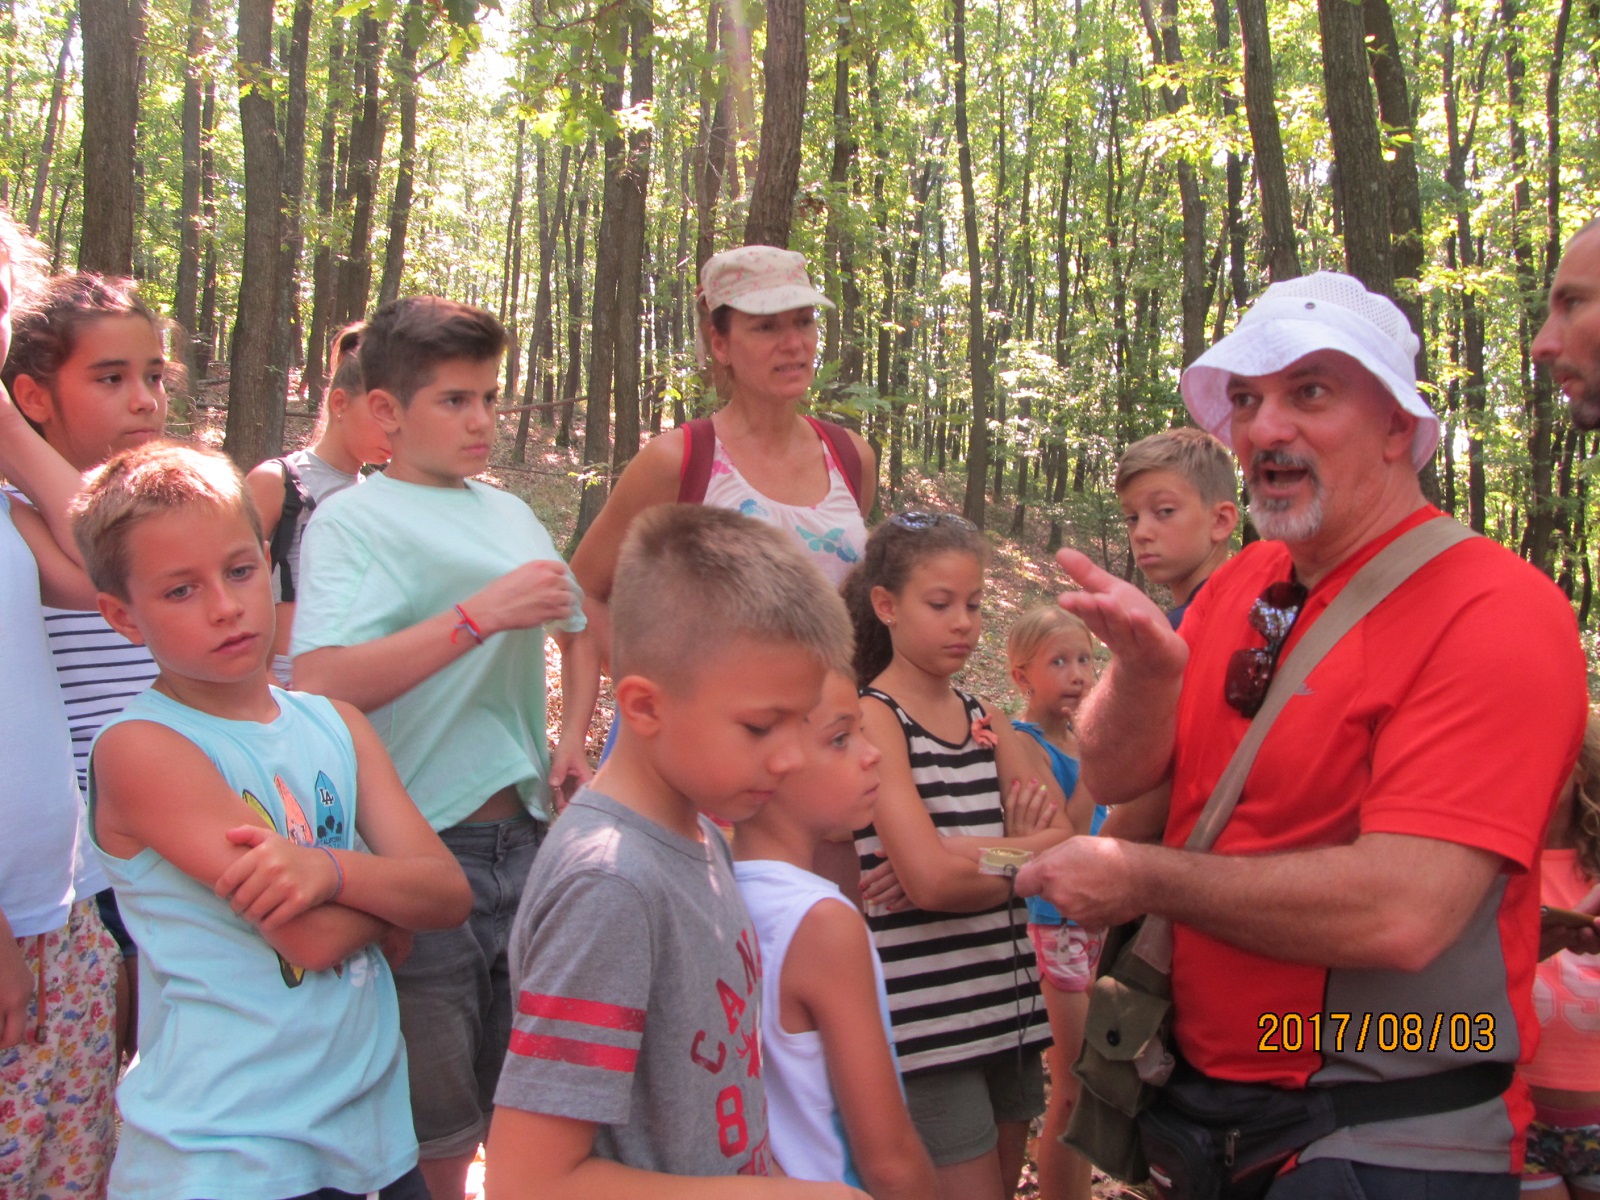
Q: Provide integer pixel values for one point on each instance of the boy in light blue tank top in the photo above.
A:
(260, 883)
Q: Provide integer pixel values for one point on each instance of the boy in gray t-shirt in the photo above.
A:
(635, 1059)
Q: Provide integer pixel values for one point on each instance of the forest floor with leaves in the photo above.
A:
(1020, 576)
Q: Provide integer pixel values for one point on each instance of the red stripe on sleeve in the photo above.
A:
(584, 1012)
(568, 1050)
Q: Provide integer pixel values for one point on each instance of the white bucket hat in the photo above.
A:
(758, 280)
(1325, 311)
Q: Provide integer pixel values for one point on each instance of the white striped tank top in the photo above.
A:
(961, 986)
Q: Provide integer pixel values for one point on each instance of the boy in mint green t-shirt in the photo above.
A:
(423, 600)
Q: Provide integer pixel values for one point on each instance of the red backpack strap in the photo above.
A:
(699, 447)
(845, 455)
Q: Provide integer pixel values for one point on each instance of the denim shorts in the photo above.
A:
(455, 990)
(958, 1110)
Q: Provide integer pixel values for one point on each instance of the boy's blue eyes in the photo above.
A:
(236, 574)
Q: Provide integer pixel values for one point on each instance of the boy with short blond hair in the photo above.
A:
(635, 1065)
(1177, 491)
(423, 600)
(256, 880)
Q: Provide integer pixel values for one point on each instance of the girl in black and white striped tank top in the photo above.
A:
(960, 972)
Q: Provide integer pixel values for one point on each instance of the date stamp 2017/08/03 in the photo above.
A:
(1412, 1032)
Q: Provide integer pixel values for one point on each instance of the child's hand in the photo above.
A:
(396, 946)
(277, 880)
(1554, 938)
(569, 770)
(533, 594)
(881, 891)
(17, 986)
(1028, 809)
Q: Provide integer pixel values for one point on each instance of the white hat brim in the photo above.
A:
(1266, 346)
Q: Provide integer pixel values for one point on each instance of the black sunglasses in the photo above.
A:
(927, 520)
(1250, 670)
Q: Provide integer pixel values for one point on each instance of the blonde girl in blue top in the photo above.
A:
(1051, 657)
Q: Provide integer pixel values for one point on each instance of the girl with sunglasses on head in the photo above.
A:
(969, 1050)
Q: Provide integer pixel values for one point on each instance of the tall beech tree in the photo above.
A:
(782, 114)
(113, 33)
(257, 384)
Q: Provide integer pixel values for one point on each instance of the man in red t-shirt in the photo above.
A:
(1370, 911)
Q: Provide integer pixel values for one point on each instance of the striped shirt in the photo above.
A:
(99, 670)
(961, 986)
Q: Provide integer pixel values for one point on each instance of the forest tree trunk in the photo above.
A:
(191, 221)
(285, 334)
(323, 283)
(413, 27)
(256, 391)
(366, 154)
(1357, 149)
(1266, 140)
(1404, 192)
(716, 135)
(603, 339)
(1167, 51)
(113, 37)
(972, 504)
(782, 116)
(635, 186)
(52, 127)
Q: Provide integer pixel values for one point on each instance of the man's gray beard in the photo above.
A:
(1277, 521)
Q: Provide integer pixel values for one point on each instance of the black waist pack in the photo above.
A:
(1206, 1139)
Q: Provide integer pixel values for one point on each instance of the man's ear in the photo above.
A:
(639, 703)
(1402, 432)
(386, 409)
(32, 399)
(117, 616)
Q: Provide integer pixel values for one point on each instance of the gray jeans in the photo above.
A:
(455, 990)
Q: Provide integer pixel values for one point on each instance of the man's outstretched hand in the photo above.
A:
(1133, 628)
